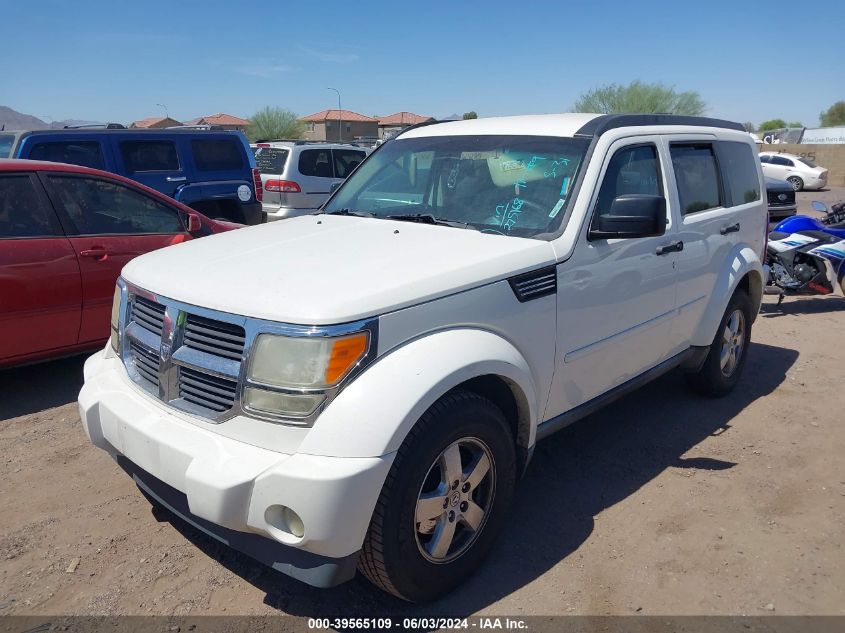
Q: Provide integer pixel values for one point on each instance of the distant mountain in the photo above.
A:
(14, 120)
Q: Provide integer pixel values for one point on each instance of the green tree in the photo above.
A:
(271, 122)
(472, 114)
(771, 124)
(835, 115)
(640, 97)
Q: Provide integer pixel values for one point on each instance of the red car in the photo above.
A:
(65, 234)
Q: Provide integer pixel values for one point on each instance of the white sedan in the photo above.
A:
(801, 173)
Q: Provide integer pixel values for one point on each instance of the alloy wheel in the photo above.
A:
(733, 343)
(455, 500)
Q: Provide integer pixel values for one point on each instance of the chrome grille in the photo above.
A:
(146, 363)
(207, 391)
(148, 314)
(214, 337)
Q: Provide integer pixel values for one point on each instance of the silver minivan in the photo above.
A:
(298, 176)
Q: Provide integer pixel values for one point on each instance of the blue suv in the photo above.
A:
(209, 170)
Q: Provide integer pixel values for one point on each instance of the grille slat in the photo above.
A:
(215, 337)
(205, 390)
(148, 314)
(146, 364)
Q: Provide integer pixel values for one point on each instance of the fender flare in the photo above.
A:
(372, 415)
(743, 260)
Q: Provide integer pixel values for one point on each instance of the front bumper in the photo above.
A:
(227, 488)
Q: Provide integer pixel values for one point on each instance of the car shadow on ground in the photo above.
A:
(34, 388)
(574, 475)
(802, 305)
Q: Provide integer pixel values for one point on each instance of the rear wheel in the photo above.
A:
(444, 501)
(726, 358)
(796, 182)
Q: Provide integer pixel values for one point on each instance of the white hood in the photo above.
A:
(318, 270)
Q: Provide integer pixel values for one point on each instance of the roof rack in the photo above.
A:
(96, 126)
(203, 127)
(605, 122)
(299, 141)
(414, 127)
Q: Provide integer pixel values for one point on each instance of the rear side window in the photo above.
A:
(22, 211)
(149, 156)
(84, 153)
(6, 142)
(270, 160)
(104, 207)
(345, 160)
(806, 161)
(316, 162)
(739, 171)
(217, 155)
(697, 176)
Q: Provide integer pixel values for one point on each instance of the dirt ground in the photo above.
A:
(663, 503)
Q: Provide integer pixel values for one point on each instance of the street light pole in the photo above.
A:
(166, 113)
(339, 117)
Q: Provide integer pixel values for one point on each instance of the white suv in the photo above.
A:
(299, 176)
(371, 398)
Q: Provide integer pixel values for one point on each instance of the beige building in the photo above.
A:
(389, 125)
(338, 125)
(222, 121)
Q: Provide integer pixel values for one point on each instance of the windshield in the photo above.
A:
(270, 160)
(807, 162)
(511, 185)
(6, 142)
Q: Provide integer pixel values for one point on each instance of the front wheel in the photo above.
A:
(796, 182)
(726, 358)
(444, 501)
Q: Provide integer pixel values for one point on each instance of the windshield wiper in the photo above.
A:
(345, 211)
(428, 218)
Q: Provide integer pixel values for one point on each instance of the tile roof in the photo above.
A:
(150, 121)
(221, 119)
(404, 118)
(332, 115)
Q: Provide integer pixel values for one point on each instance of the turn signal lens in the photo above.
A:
(345, 353)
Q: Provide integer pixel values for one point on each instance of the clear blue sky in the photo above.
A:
(115, 60)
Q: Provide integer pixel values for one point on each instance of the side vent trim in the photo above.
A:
(535, 284)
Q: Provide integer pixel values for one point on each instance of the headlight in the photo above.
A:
(115, 318)
(287, 375)
(305, 362)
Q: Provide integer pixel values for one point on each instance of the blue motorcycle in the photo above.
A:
(806, 256)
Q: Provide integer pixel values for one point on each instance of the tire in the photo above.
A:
(796, 182)
(725, 361)
(414, 559)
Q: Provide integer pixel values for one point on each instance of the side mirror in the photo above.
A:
(194, 223)
(819, 206)
(631, 215)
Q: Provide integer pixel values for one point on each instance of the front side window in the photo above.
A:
(765, 159)
(83, 153)
(510, 185)
(780, 160)
(104, 207)
(740, 172)
(316, 162)
(217, 155)
(22, 213)
(697, 176)
(345, 160)
(139, 156)
(631, 170)
(6, 143)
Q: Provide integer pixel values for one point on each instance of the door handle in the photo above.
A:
(99, 253)
(733, 228)
(674, 247)
(176, 178)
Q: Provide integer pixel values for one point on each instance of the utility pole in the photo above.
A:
(339, 117)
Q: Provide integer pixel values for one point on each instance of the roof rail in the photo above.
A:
(203, 127)
(414, 127)
(299, 141)
(98, 126)
(605, 122)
